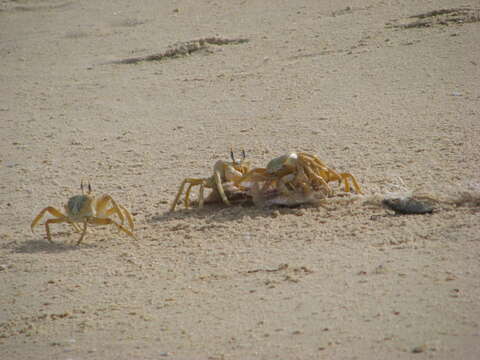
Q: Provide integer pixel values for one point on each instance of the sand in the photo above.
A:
(392, 99)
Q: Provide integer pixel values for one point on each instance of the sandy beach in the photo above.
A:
(137, 96)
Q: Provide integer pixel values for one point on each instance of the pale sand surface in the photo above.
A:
(399, 108)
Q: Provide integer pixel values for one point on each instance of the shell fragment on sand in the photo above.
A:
(406, 206)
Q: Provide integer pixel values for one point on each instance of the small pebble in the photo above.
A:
(380, 269)
(419, 349)
(299, 213)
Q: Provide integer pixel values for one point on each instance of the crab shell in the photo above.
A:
(79, 207)
(284, 163)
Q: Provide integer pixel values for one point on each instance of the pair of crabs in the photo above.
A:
(286, 176)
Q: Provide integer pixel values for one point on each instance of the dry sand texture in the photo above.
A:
(393, 99)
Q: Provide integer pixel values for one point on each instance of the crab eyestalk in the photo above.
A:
(232, 156)
(89, 188)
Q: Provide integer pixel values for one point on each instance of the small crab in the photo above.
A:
(291, 171)
(225, 174)
(88, 210)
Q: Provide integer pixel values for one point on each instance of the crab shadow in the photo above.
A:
(43, 246)
(224, 214)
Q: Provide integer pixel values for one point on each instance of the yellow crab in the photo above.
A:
(88, 210)
(293, 170)
(225, 174)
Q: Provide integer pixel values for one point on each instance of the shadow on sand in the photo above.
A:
(44, 246)
(221, 213)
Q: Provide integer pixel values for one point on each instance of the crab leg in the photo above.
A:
(267, 184)
(128, 216)
(312, 159)
(102, 204)
(125, 212)
(51, 211)
(84, 231)
(54, 212)
(345, 177)
(192, 182)
(179, 193)
(187, 195)
(75, 226)
(302, 180)
(218, 182)
(200, 195)
(330, 174)
(257, 174)
(320, 179)
(53, 221)
(97, 221)
(282, 185)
